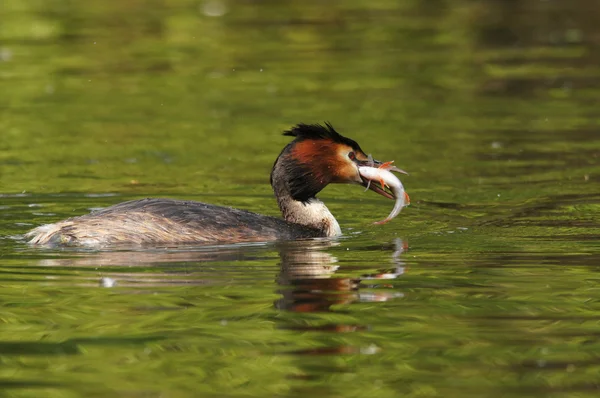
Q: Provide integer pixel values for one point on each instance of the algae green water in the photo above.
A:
(486, 286)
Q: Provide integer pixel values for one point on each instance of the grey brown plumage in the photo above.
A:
(148, 221)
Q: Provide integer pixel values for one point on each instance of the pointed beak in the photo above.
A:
(374, 186)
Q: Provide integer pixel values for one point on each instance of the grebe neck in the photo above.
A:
(312, 213)
(296, 198)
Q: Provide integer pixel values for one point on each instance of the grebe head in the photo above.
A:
(318, 156)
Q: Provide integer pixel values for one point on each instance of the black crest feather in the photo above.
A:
(319, 132)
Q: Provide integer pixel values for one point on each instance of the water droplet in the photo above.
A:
(108, 282)
(214, 8)
(5, 54)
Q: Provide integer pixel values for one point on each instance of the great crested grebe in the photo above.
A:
(317, 156)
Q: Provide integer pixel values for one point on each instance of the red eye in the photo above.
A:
(352, 155)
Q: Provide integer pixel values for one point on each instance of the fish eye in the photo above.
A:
(352, 156)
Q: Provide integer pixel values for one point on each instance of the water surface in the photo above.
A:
(487, 285)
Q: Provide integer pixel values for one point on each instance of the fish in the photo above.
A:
(383, 175)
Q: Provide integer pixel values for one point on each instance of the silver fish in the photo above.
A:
(384, 176)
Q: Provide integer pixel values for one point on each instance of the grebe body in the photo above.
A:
(316, 157)
(149, 221)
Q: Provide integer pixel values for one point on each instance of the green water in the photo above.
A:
(492, 278)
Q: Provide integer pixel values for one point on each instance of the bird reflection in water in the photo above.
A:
(306, 268)
(309, 285)
(307, 273)
(306, 279)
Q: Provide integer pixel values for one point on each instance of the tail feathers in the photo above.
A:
(48, 234)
